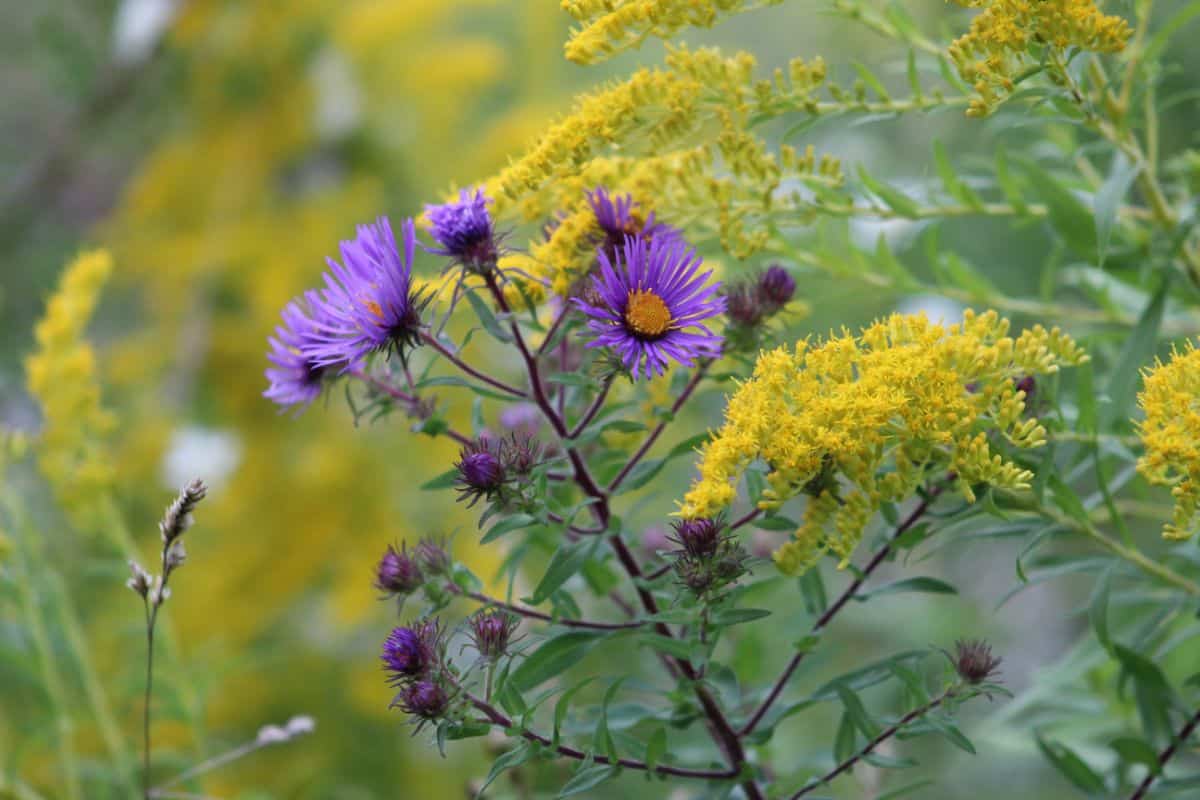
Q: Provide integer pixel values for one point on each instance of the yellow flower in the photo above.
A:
(855, 422)
(996, 49)
(1171, 435)
(61, 375)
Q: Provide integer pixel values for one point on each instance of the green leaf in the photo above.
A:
(857, 712)
(954, 185)
(656, 747)
(588, 777)
(1066, 499)
(1069, 217)
(1133, 750)
(1012, 192)
(888, 762)
(665, 644)
(921, 583)
(895, 794)
(1108, 200)
(812, 591)
(554, 657)
(737, 616)
(893, 198)
(563, 705)
(950, 732)
(872, 81)
(487, 318)
(1138, 351)
(1098, 609)
(775, 523)
(443, 481)
(513, 523)
(566, 561)
(1072, 767)
(845, 741)
(603, 739)
(510, 760)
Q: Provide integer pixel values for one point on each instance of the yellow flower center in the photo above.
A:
(647, 314)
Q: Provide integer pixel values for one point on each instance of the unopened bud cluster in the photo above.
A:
(497, 469)
(175, 522)
(708, 559)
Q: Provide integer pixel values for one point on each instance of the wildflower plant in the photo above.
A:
(850, 451)
(686, 487)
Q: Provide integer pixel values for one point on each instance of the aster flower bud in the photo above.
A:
(140, 580)
(480, 470)
(520, 453)
(776, 287)
(398, 573)
(1028, 385)
(424, 699)
(743, 305)
(491, 631)
(974, 662)
(432, 556)
(410, 651)
(464, 231)
(699, 538)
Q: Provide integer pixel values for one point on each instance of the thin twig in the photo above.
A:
(497, 717)
(467, 368)
(697, 376)
(1166, 756)
(915, 714)
(411, 399)
(593, 409)
(838, 605)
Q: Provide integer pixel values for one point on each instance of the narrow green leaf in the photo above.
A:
(487, 318)
(566, 561)
(510, 760)
(1072, 767)
(737, 616)
(1069, 217)
(1137, 353)
(656, 747)
(553, 658)
(588, 777)
(857, 712)
(443, 481)
(507, 525)
(1133, 750)
(1109, 198)
(896, 794)
(1098, 609)
(563, 706)
(894, 199)
(921, 583)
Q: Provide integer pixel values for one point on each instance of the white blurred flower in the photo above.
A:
(138, 27)
(937, 308)
(194, 450)
(338, 100)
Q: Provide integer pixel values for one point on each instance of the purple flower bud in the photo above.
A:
(699, 538)
(398, 572)
(973, 660)
(409, 652)
(463, 229)
(743, 305)
(520, 453)
(432, 556)
(480, 470)
(424, 699)
(776, 287)
(491, 631)
(1027, 385)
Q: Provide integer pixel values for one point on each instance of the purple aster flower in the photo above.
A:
(480, 470)
(647, 301)
(521, 418)
(368, 302)
(424, 699)
(398, 572)
(616, 217)
(463, 230)
(491, 631)
(410, 652)
(295, 377)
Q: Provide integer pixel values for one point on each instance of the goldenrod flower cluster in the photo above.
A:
(611, 26)
(638, 137)
(1171, 435)
(997, 47)
(855, 422)
(61, 375)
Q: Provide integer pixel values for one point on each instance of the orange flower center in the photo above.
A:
(647, 314)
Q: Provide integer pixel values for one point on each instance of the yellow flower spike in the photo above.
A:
(863, 420)
(1170, 434)
(61, 375)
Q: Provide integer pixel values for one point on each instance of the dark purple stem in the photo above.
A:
(837, 606)
(1166, 755)
(878, 740)
(467, 368)
(748, 518)
(405, 397)
(496, 716)
(593, 409)
(638, 455)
